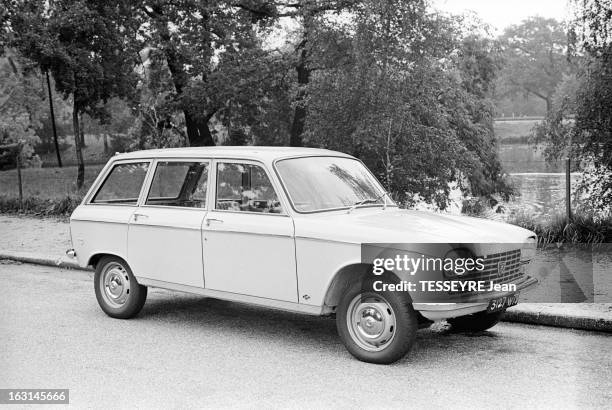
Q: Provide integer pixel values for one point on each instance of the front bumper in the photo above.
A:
(470, 304)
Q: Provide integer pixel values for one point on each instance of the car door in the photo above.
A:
(164, 238)
(249, 245)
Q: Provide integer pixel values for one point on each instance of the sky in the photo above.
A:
(502, 13)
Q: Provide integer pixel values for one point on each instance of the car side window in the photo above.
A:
(182, 184)
(123, 184)
(246, 188)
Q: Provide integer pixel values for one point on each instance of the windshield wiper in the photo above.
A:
(369, 200)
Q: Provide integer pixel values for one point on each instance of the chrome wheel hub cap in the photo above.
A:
(371, 322)
(115, 284)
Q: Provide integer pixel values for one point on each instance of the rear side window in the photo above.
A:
(123, 184)
(245, 188)
(181, 184)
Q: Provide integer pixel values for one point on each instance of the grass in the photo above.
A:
(46, 191)
(514, 132)
(46, 183)
(93, 152)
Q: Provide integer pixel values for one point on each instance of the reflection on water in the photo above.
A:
(540, 185)
(540, 194)
(526, 158)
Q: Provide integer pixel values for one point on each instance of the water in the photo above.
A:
(540, 185)
(541, 195)
(526, 158)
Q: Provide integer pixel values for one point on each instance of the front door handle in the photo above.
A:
(137, 215)
(209, 220)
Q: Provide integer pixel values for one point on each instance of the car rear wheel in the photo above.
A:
(376, 327)
(476, 322)
(118, 293)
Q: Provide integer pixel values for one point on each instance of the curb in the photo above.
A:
(41, 260)
(592, 323)
(515, 314)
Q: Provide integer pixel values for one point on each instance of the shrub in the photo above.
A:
(583, 228)
(38, 206)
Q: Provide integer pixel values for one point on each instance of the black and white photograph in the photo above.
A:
(317, 204)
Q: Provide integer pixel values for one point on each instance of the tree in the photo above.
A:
(411, 100)
(535, 58)
(591, 139)
(83, 44)
(212, 53)
(312, 16)
(20, 105)
(580, 124)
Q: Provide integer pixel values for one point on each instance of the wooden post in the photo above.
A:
(57, 151)
(19, 176)
(568, 190)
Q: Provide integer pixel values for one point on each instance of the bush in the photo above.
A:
(121, 143)
(583, 228)
(40, 207)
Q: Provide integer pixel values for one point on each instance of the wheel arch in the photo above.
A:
(95, 258)
(346, 276)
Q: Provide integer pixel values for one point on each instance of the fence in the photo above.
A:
(45, 183)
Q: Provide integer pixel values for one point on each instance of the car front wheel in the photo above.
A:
(476, 322)
(118, 293)
(376, 327)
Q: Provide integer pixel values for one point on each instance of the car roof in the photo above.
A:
(266, 154)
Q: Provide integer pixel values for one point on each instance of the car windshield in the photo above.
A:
(322, 183)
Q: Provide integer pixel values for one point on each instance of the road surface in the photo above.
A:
(187, 351)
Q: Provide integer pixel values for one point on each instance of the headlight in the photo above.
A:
(459, 256)
(528, 251)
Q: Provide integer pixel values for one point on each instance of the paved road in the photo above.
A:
(185, 351)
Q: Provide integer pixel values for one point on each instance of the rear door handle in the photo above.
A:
(209, 220)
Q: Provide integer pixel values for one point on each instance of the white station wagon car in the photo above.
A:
(282, 228)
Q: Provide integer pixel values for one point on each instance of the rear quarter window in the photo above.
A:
(123, 184)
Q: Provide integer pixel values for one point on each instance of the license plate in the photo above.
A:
(495, 305)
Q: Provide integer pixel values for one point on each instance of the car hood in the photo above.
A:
(394, 225)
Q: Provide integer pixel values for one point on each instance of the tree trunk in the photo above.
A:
(303, 78)
(299, 114)
(82, 129)
(77, 146)
(198, 133)
(52, 113)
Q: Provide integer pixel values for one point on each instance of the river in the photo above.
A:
(540, 185)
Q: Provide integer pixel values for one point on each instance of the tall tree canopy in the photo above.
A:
(592, 134)
(213, 54)
(405, 89)
(580, 125)
(535, 53)
(410, 92)
(84, 45)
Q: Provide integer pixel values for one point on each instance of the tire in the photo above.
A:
(383, 325)
(476, 322)
(118, 293)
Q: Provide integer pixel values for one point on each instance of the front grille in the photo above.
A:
(512, 271)
(491, 272)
